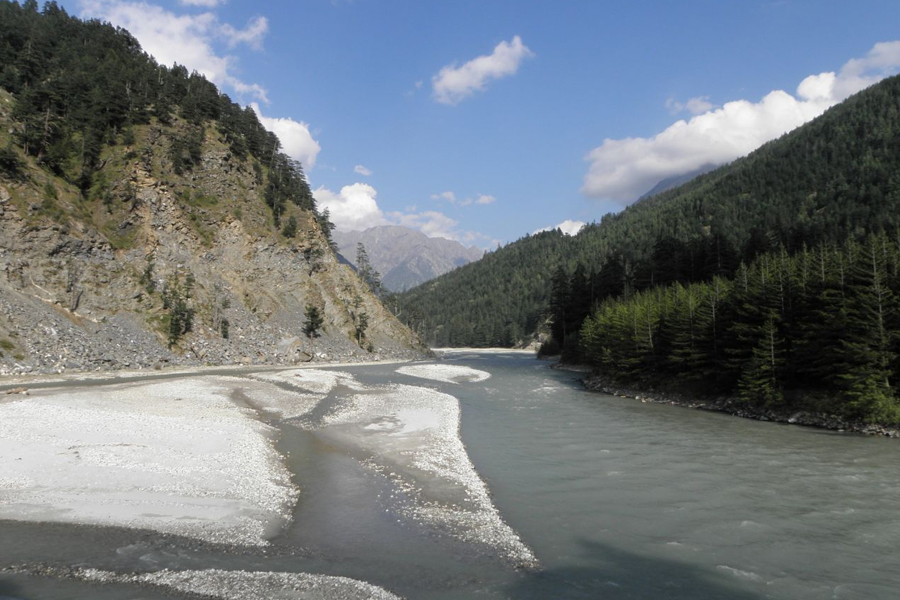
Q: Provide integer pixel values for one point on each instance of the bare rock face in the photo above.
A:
(90, 284)
(405, 257)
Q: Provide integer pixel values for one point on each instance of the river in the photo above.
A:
(614, 497)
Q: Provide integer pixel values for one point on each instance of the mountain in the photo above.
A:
(837, 177)
(405, 257)
(146, 219)
(674, 181)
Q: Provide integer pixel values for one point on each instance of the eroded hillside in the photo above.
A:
(95, 279)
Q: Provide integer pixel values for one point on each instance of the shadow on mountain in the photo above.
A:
(612, 573)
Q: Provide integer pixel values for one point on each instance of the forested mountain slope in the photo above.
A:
(835, 178)
(147, 218)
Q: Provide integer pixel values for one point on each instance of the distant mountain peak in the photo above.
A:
(674, 181)
(405, 257)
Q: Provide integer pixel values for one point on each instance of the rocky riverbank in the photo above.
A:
(733, 406)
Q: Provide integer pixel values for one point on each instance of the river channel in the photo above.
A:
(613, 498)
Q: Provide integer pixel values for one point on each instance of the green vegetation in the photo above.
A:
(835, 179)
(367, 272)
(290, 228)
(314, 321)
(10, 164)
(327, 227)
(81, 87)
(359, 316)
(6, 346)
(774, 279)
(177, 297)
(186, 151)
(361, 323)
(823, 320)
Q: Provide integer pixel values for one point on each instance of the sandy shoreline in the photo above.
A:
(11, 381)
(100, 377)
(174, 456)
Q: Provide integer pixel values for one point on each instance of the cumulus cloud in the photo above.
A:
(188, 40)
(353, 209)
(623, 169)
(361, 170)
(429, 222)
(252, 34)
(568, 227)
(454, 84)
(296, 140)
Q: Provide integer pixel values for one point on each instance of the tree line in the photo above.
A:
(783, 328)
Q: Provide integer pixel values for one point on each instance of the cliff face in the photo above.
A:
(94, 280)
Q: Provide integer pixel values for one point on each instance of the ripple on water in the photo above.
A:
(740, 574)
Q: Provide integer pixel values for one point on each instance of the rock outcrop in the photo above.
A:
(87, 280)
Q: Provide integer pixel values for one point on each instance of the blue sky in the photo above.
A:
(486, 120)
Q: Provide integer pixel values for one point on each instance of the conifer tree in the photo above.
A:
(760, 381)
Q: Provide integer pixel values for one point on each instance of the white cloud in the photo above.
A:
(361, 170)
(695, 106)
(354, 208)
(296, 140)
(859, 73)
(252, 35)
(624, 169)
(568, 227)
(448, 196)
(452, 199)
(204, 3)
(188, 40)
(429, 222)
(456, 83)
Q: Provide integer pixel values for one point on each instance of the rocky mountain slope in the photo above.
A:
(405, 257)
(94, 280)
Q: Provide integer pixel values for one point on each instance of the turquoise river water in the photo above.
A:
(617, 499)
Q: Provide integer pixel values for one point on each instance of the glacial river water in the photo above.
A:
(616, 498)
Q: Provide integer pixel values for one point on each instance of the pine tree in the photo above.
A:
(314, 321)
(559, 305)
(760, 380)
(865, 368)
(366, 271)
